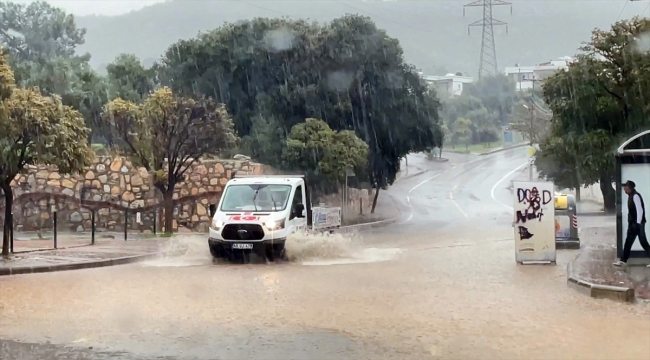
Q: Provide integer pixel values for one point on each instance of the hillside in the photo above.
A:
(432, 33)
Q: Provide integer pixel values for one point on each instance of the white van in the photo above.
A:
(257, 213)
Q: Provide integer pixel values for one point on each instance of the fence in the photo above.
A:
(85, 216)
(57, 213)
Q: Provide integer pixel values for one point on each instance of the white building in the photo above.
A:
(526, 77)
(450, 85)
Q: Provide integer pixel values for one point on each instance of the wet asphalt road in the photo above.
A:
(442, 283)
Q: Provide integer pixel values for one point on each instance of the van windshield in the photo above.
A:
(256, 197)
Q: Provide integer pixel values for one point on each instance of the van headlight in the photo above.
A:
(216, 224)
(274, 225)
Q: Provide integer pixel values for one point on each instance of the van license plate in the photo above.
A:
(242, 246)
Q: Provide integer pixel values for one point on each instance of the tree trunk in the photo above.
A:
(578, 197)
(168, 199)
(8, 223)
(609, 194)
(374, 200)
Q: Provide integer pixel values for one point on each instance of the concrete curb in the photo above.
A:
(368, 226)
(77, 266)
(593, 213)
(597, 291)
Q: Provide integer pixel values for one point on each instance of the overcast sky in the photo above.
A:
(99, 7)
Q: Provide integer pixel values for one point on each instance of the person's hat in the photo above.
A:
(630, 184)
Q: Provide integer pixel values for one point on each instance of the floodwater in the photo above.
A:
(452, 301)
(443, 285)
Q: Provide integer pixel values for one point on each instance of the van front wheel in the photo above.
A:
(217, 251)
(275, 252)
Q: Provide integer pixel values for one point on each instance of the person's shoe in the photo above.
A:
(620, 263)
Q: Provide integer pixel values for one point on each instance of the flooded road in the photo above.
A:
(441, 283)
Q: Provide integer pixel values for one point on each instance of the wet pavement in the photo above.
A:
(24, 242)
(594, 264)
(102, 250)
(440, 283)
(39, 241)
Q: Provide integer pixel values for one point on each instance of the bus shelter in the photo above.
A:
(632, 163)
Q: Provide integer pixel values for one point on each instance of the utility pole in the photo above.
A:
(530, 137)
(488, 61)
(531, 132)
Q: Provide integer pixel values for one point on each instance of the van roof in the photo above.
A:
(270, 180)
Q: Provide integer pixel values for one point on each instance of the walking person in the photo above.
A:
(636, 220)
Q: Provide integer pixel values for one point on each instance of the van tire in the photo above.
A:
(275, 252)
(217, 251)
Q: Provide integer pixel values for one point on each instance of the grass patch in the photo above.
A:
(474, 148)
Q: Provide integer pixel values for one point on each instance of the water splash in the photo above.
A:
(302, 248)
(334, 249)
(310, 246)
(183, 250)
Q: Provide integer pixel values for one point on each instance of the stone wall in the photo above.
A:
(359, 201)
(112, 185)
(117, 190)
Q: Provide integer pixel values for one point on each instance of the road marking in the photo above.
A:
(500, 181)
(451, 196)
(408, 198)
(453, 166)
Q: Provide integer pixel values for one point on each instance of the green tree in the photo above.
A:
(38, 31)
(266, 141)
(41, 41)
(599, 101)
(562, 167)
(129, 79)
(463, 131)
(166, 134)
(530, 120)
(36, 129)
(484, 125)
(446, 133)
(497, 94)
(328, 154)
(348, 73)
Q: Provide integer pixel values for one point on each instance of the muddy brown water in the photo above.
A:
(459, 297)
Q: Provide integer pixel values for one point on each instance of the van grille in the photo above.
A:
(252, 232)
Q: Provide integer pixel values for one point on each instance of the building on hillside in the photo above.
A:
(448, 86)
(525, 77)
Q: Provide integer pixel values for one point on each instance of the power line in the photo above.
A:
(622, 9)
(488, 60)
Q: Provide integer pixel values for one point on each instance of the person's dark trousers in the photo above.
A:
(634, 230)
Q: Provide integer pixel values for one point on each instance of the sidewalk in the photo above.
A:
(592, 271)
(416, 166)
(32, 241)
(106, 252)
(590, 208)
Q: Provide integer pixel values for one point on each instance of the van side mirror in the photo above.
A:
(298, 210)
